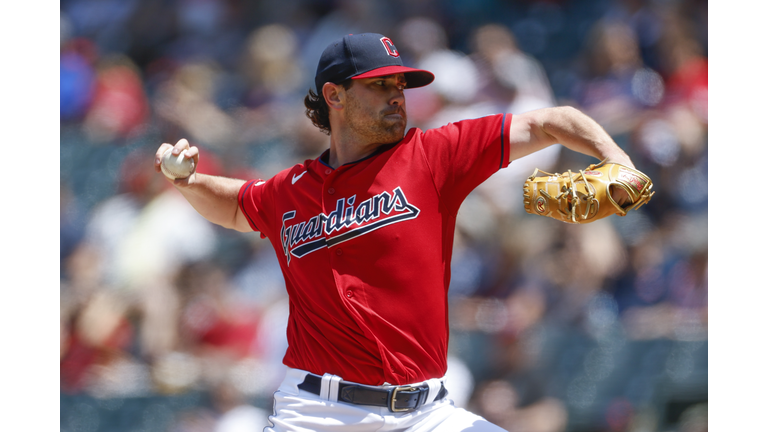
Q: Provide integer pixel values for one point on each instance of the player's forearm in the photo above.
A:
(577, 131)
(215, 198)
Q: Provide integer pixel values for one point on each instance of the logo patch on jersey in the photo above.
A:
(390, 47)
(347, 221)
(297, 177)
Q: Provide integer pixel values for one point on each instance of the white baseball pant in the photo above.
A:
(299, 410)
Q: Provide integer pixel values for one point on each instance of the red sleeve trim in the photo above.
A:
(241, 202)
(504, 162)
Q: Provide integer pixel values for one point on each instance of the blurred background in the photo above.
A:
(170, 323)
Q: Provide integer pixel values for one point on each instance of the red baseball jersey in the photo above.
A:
(365, 249)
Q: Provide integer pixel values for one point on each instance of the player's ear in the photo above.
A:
(334, 95)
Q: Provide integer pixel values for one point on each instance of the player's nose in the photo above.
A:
(398, 97)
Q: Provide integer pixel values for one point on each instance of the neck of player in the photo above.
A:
(346, 149)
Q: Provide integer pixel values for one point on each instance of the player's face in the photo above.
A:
(375, 109)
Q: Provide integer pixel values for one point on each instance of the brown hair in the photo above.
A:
(317, 108)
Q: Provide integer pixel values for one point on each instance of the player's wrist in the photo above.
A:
(186, 181)
(619, 158)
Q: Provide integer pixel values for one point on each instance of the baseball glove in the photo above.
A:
(585, 196)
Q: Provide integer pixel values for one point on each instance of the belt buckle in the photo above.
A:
(392, 398)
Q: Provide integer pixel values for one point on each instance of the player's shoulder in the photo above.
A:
(290, 176)
(296, 168)
(287, 173)
(468, 126)
(476, 121)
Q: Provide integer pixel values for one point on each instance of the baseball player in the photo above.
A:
(364, 234)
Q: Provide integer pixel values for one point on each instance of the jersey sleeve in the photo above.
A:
(463, 154)
(252, 200)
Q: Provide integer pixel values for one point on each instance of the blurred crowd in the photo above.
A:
(554, 327)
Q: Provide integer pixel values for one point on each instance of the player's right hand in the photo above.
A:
(189, 152)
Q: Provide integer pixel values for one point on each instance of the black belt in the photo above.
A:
(395, 398)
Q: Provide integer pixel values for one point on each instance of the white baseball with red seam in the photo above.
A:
(176, 166)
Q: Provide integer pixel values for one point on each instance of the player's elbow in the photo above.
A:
(241, 229)
(238, 222)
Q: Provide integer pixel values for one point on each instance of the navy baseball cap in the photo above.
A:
(365, 55)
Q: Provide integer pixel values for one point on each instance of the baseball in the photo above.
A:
(176, 166)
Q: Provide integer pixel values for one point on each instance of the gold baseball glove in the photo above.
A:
(585, 196)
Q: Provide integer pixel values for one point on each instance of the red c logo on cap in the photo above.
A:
(390, 47)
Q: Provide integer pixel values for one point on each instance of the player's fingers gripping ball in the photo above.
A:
(585, 196)
(176, 166)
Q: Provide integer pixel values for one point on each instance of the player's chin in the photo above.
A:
(395, 133)
(395, 123)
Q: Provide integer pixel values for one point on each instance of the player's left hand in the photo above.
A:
(620, 196)
(587, 195)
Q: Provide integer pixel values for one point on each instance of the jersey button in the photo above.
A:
(328, 171)
(339, 252)
(331, 191)
(349, 294)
